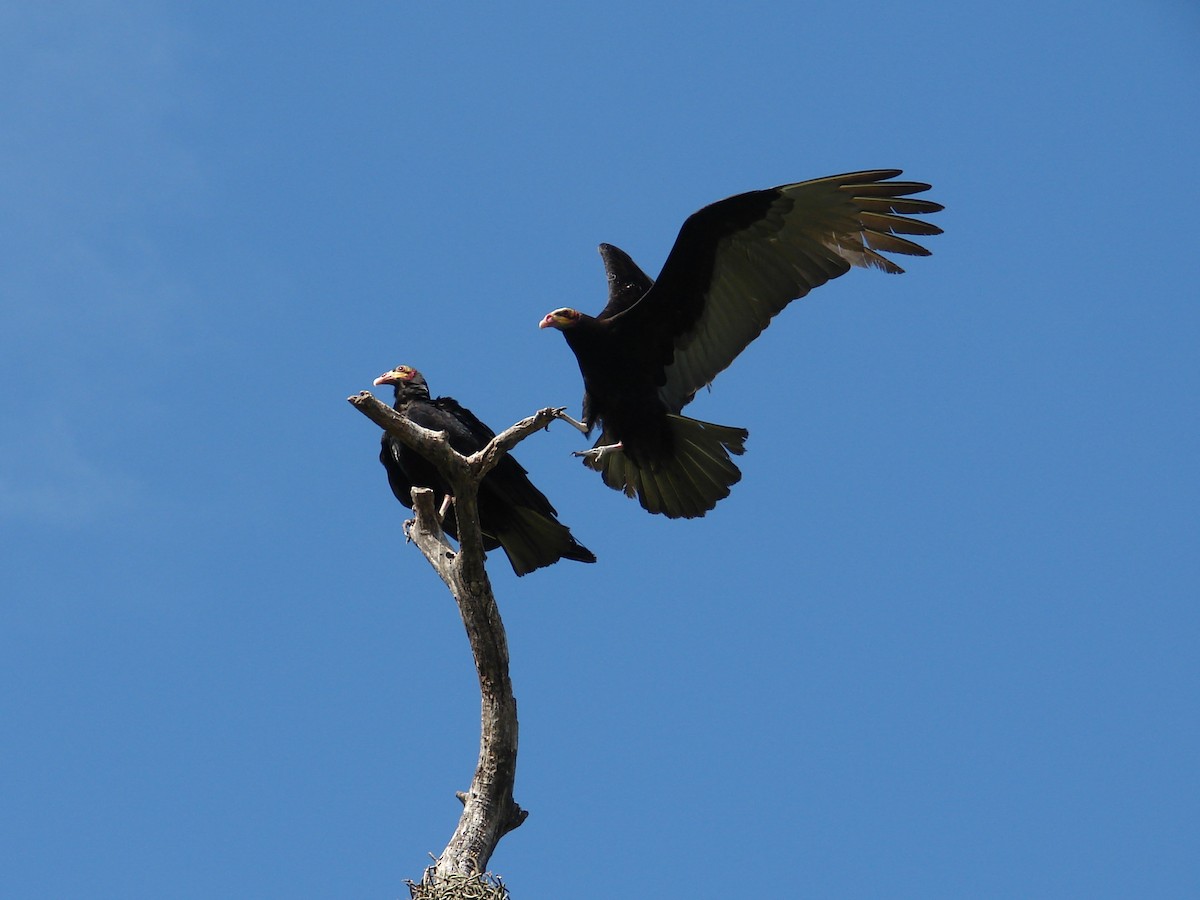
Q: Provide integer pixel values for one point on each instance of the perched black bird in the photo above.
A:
(735, 264)
(513, 514)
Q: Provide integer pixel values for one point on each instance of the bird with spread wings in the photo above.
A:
(735, 264)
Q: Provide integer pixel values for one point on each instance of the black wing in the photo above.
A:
(466, 433)
(627, 283)
(391, 454)
(406, 468)
(739, 261)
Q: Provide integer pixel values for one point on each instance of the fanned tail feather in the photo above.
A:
(533, 540)
(692, 481)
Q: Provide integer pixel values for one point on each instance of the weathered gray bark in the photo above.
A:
(489, 810)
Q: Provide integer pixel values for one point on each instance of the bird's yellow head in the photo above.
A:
(400, 375)
(561, 318)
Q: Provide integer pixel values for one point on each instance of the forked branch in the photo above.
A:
(489, 810)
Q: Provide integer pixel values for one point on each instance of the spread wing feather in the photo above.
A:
(738, 262)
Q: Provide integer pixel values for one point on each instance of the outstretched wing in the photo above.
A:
(739, 261)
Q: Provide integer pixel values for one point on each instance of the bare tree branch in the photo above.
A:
(485, 460)
(426, 532)
(430, 444)
(489, 810)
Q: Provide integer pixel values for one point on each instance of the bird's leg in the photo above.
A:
(561, 413)
(594, 456)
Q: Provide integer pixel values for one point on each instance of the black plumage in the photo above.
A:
(735, 264)
(513, 514)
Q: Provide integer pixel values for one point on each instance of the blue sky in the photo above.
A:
(941, 641)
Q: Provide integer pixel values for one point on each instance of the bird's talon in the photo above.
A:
(597, 454)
